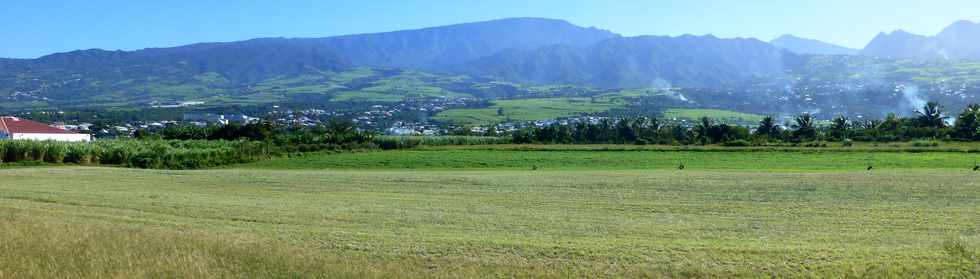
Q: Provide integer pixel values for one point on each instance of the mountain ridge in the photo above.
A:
(532, 50)
(960, 40)
(801, 45)
(437, 47)
(638, 62)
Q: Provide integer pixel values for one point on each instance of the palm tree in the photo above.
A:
(870, 124)
(768, 128)
(839, 127)
(932, 116)
(804, 127)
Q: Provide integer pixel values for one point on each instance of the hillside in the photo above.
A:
(645, 61)
(438, 47)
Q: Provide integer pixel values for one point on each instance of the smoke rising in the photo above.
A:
(912, 97)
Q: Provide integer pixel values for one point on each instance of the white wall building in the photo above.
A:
(22, 129)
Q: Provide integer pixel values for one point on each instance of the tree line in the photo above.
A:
(335, 132)
(930, 122)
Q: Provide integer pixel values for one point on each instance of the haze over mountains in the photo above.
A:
(961, 40)
(533, 50)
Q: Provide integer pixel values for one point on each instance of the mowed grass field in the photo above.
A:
(481, 213)
(514, 158)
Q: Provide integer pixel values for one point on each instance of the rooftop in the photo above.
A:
(16, 125)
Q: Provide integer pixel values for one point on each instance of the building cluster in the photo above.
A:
(202, 119)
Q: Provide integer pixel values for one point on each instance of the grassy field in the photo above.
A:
(479, 213)
(563, 159)
(408, 84)
(525, 110)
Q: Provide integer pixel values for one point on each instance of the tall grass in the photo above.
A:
(196, 154)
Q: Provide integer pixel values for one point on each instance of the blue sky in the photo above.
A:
(32, 28)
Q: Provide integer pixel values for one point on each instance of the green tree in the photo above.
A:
(804, 127)
(840, 128)
(768, 128)
(625, 130)
(491, 131)
(968, 123)
(932, 115)
(701, 131)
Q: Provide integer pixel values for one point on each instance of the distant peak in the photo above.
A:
(528, 19)
(802, 45)
(900, 32)
(961, 26)
(692, 36)
(787, 36)
(964, 22)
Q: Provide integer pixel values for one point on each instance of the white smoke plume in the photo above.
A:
(913, 99)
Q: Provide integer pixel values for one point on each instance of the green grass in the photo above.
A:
(717, 115)
(624, 95)
(526, 110)
(408, 84)
(504, 158)
(104, 222)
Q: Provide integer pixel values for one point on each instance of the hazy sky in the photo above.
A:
(32, 28)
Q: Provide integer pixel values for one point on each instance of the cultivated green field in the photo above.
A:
(471, 212)
(526, 110)
(721, 115)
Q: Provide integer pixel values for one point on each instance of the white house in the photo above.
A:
(23, 129)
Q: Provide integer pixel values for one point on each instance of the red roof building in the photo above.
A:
(23, 129)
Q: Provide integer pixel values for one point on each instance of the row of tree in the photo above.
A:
(333, 132)
(929, 123)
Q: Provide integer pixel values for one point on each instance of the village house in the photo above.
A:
(22, 129)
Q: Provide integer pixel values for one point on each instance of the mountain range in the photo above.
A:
(440, 47)
(526, 50)
(961, 40)
(643, 61)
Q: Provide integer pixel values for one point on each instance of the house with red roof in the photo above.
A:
(16, 128)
